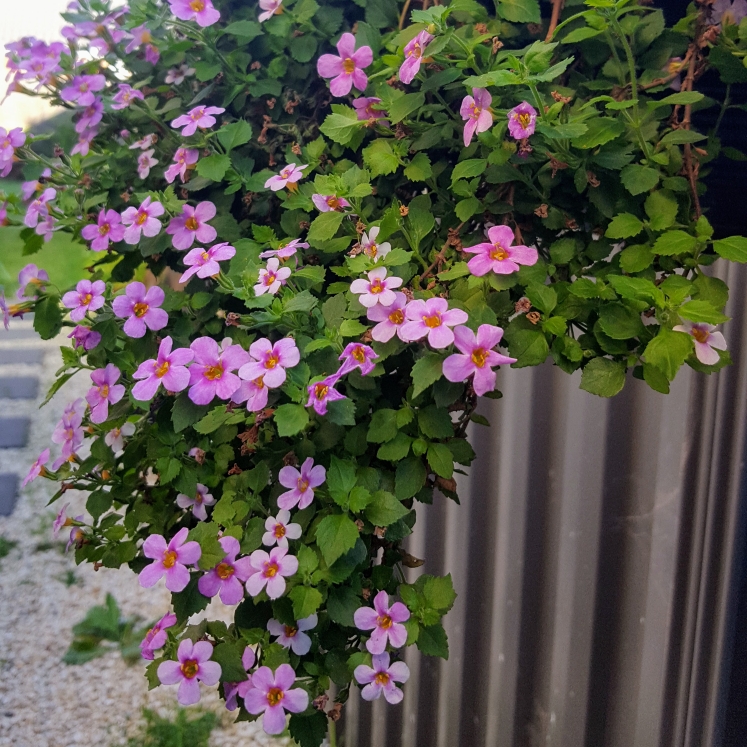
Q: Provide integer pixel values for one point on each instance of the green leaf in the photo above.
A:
(214, 167)
(458, 270)
(439, 593)
(619, 322)
(441, 460)
(679, 137)
(733, 248)
(380, 158)
(247, 30)
(291, 419)
(324, 226)
(520, 11)
(668, 351)
(384, 509)
(432, 641)
(529, 347)
(543, 297)
(383, 426)
(410, 477)
(468, 207)
(188, 602)
(601, 130)
(674, 242)
(405, 105)
(419, 169)
(396, 449)
(637, 289)
(636, 258)
(185, 412)
(623, 226)
(638, 179)
(655, 378)
(228, 655)
(425, 372)
(342, 603)
(702, 311)
(235, 134)
(306, 601)
(661, 208)
(48, 317)
(435, 422)
(341, 475)
(469, 168)
(603, 377)
(563, 251)
(308, 731)
(681, 98)
(335, 535)
(342, 126)
(352, 328)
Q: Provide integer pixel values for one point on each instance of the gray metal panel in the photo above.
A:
(593, 556)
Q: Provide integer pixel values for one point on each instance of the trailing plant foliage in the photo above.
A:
(357, 227)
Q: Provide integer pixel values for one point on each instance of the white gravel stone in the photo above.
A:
(43, 702)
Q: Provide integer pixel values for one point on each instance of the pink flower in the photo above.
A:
(152, 55)
(327, 203)
(707, 342)
(272, 696)
(477, 357)
(140, 35)
(143, 219)
(156, 637)
(476, 111)
(346, 70)
(77, 535)
(114, 439)
(61, 520)
(236, 690)
(204, 263)
(85, 140)
(271, 278)
(498, 255)
(321, 393)
(211, 373)
(142, 309)
(200, 116)
(286, 250)
(69, 433)
(193, 666)
(90, 116)
(125, 96)
(254, 393)
(289, 175)
(86, 297)
(183, 159)
(169, 560)
(432, 318)
(105, 391)
(9, 141)
(30, 279)
(270, 8)
(46, 227)
(414, 50)
(371, 248)
(84, 336)
(365, 108)
(39, 207)
(269, 571)
(201, 11)
(385, 621)
(108, 228)
(381, 678)
(279, 531)
(169, 369)
(522, 120)
(81, 89)
(192, 224)
(37, 468)
(357, 355)
(390, 319)
(145, 143)
(270, 361)
(228, 577)
(378, 289)
(198, 503)
(301, 484)
(293, 636)
(145, 162)
(4, 309)
(177, 75)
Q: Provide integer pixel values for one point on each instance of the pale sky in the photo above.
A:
(39, 18)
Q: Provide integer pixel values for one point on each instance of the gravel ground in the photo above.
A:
(43, 702)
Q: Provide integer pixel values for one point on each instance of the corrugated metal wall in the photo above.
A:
(592, 554)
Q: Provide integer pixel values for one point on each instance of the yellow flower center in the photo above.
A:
(382, 678)
(140, 309)
(84, 87)
(279, 531)
(320, 391)
(269, 278)
(104, 229)
(197, 5)
(224, 571)
(359, 354)
(303, 485)
(479, 356)
(271, 570)
(85, 300)
(498, 253)
(384, 621)
(371, 250)
(290, 631)
(190, 669)
(524, 119)
(104, 391)
(259, 382)
(141, 218)
(397, 316)
(191, 223)
(348, 65)
(169, 559)
(376, 286)
(272, 361)
(701, 335)
(205, 257)
(162, 370)
(275, 695)
(416, 51)
(333, 202)
(213, 372)
(432, 321)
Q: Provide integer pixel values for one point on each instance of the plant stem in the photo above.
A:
(724, 107)
(332, 731)
(537, 99)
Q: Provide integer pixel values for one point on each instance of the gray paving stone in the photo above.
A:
(14, 432)
(8, 494)
(18, 387)
(32, 356)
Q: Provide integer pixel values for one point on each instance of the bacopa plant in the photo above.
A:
(317, 228)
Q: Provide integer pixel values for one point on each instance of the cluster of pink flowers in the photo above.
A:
(266, 370)
(9, 141)
(32, 61)
(200, 11)
(69, 433)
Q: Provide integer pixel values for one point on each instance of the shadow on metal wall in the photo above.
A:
(596, 602)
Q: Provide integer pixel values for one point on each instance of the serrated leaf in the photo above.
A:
(335, 535)
(384, 509)
(623, 226)
(733, 248)
(214, 167)
(306, 601)
(638, 179)
(674, 242)
(405, 105)
(325, 226)
(291, 419)
(702, 311)
(668, 351)
(441, 460)
(425, 372)
(469, 168)
(235, 134)
(603, 377)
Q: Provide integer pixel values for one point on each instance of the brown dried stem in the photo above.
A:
(557, 6)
